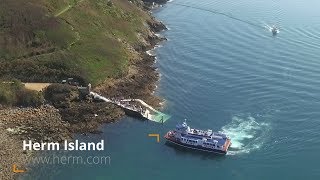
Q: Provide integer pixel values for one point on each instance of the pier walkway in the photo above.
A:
(136, 107)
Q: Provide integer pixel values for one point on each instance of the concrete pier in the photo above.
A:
(136, 107)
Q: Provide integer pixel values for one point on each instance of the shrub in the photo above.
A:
(6, 97)
(13, 93)
(27, 97)
(60, 95)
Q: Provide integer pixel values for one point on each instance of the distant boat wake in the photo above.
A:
(220, 13)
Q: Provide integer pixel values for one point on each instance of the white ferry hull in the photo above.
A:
(195, 148)
(199, 148)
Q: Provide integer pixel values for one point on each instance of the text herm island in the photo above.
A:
(68, 146)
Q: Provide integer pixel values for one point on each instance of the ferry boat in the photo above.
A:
(203, 140)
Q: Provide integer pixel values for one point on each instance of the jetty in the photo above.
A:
(135, 108)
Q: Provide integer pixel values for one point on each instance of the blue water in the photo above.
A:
(228, 75)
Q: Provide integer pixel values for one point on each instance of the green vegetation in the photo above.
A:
(50, 40)
(14, 94)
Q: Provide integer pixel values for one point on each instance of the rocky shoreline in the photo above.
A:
(17, 124)
(54, 124)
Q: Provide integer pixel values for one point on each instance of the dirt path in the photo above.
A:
(36, 86)
(67, 8)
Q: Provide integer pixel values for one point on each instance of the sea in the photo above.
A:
(222, 69)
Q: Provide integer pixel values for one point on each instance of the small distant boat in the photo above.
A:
(202, 140)
(274, 30)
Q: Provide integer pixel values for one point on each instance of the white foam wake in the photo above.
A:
(269, 28)
(246, 134)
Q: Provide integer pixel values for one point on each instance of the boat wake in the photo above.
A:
(246, 134)
(228, 15)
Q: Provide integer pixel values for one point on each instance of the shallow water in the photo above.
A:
(231, 76)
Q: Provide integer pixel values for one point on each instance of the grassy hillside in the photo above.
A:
(50, 40)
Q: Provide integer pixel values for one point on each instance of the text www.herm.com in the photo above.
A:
(72, 160)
